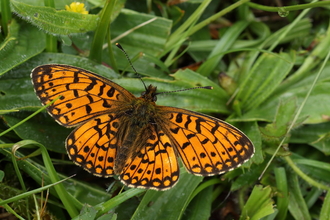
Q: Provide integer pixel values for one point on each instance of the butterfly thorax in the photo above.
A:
(150, 94)
(137, 127)
(142, 110)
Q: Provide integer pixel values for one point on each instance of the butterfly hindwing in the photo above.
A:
(206, 145)
(93, 145)
(83, 95)
(155, 166)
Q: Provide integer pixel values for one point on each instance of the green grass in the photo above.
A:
(275, 89)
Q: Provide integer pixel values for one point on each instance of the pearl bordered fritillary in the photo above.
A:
(119, 134)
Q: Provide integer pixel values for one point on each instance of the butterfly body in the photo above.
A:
(138, 122)
(119, 134)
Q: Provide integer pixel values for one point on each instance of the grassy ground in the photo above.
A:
(269, 69)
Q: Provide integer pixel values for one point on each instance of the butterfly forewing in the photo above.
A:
(206, 145)
(83, 95)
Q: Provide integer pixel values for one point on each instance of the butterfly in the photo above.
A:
(120, 134)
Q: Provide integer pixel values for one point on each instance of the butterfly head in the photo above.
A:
(150, 93)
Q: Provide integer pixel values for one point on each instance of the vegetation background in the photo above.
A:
(269, 68)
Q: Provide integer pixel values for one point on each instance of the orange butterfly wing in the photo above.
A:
(155, 166)
(86, 99)
(93, 145)
(84, 95)
(206, 145)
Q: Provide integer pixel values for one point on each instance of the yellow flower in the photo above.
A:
(77, 7)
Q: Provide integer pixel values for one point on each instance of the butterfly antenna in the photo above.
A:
(180, 90)
(130, 63)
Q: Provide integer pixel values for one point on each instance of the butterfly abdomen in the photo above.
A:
(135, 131)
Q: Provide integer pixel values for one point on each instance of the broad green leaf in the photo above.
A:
(301, 30)
(51, 136)
(223, 44)
(53, 21)
(266, 74)
(252, 130)
(8, 43)
(87, 212)
(127, 208)
(244, 177)
(313, 196)
(312, 61)
(325, 211)
(168, 204)
(198, 47)
(143, 38)
(144, 64)
(117, 201)
(200, 207)
(90, 212)
(316, 135)
(108, 216)
(2, 175)
(308, 80)
(315, 169)
(41, 128)
(275, 131)
(28, 42)
(59, 4)
(297, 204)
(149, 39)
(282, 200)
(316, 108)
